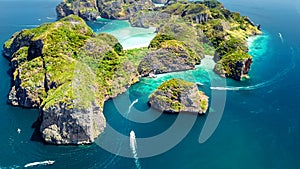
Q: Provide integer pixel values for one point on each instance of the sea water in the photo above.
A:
(129, 37)
(259, 127)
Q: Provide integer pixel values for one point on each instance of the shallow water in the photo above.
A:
(129, 37)
(259, 127)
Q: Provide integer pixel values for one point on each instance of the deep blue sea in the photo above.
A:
(257, 121)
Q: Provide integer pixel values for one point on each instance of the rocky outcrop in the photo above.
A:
(176, 96)
(20, 49)
(72, 114)
(68, 72)
(149, 19)
(171, 56)
(86, 9)
(91, 9)
(122, 9)
(73, 126)
(235, 65)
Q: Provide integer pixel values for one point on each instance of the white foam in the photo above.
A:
(280, 36)
(50, 18)
(133, 147)
(259, 85)
(48, 162)
(132, 104)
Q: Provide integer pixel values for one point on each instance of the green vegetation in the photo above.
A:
(231, 45)
(71, 65)
(135, 55)
(204, 26)
(177, 95)
(175, 86)
(158, 39)
(8, 43)
(208, 49)
(178, 48)
(179, 30)
(226, 31)
(121, 9)
(77, 93)
(232, 64)
(203, 102)
(171, 90)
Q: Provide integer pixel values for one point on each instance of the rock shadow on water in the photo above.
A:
(37, 135)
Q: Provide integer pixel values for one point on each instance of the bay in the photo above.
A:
(259, 127)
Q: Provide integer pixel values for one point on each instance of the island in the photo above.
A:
(206, 27)
(67, 71)
(179, 96)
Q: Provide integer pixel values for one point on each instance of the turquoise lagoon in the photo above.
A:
(260, 124)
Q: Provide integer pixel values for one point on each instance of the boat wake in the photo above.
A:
(131, 105)
(133, 147)
(48, 162)
(50, 18)
(113, 160)
(259, 85)
(280, 36)
(232, 88)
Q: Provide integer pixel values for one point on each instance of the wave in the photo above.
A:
(48, 162)
(133, 147)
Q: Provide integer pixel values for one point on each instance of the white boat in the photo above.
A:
(48, 162)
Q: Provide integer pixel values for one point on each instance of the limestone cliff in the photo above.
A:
(86, 9)
(90, 9)
(176, 96)
(68, 72)
(206, 27)
(170, 56)
(235, 65)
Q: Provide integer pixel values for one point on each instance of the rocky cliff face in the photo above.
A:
(235, 66)
(86, 9)
(122, 9)
(170, 56)
(90, 9)
(176, 96)
(20, 49)
(68, 72)
(149, 19)
(204, 26)
(75, 115)
(62, 125)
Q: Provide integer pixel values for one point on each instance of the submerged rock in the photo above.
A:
(176, 96)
